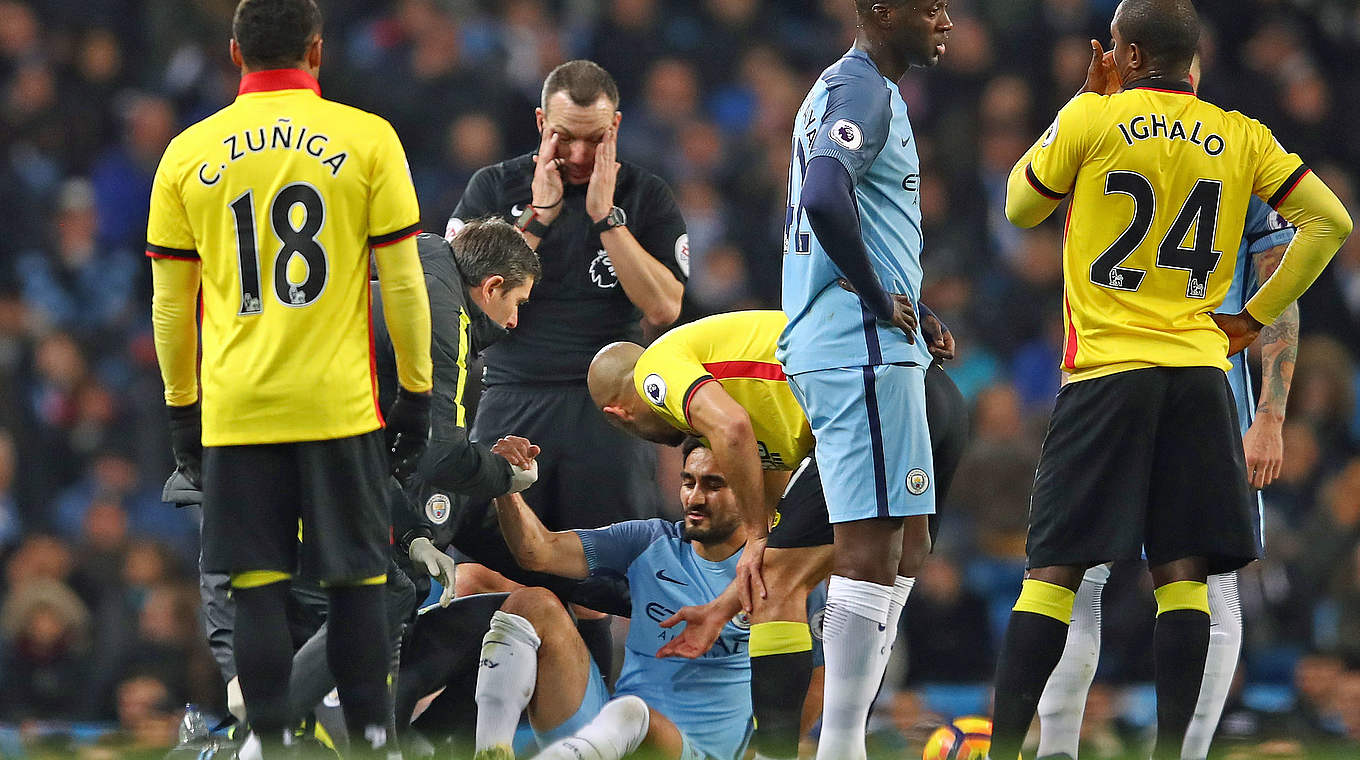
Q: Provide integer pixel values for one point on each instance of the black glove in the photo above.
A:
(186, 440)
(408, 430)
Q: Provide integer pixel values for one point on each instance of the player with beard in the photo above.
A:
(533, 657)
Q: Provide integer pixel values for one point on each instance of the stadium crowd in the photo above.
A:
(99, 608)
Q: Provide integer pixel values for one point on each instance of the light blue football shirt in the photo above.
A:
(1263, 230)
(708, 699)
(857, 116)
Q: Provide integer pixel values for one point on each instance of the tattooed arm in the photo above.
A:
(1279, 347)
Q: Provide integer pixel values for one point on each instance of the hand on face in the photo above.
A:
(1102, 77)
(547, 185)
(600, 193)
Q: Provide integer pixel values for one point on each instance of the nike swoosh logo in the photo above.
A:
(905, 140)
(661, 575)
(517, 209)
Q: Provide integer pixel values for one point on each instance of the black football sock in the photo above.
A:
(360, 656)
(1180, 645)
(779, 684)
(263, 650)
(1034, 643)
(599, 641)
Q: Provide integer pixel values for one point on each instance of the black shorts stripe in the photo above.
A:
(1043, 189)
(1288, 186)
(166, 252)
(378, 241)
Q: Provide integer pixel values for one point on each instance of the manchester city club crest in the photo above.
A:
(917, 481)
(437, 509)
(742, 620)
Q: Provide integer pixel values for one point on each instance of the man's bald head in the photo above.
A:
(610, 378)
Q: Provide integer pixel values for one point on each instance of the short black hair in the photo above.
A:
(487, 247)
(865, 7)
(688, 446)
(274, 34)
(1167, 31)
(583, 81)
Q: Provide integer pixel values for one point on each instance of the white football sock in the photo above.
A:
(902, 587)
(505, 678)
(613, 734)
(856, 623)
(1063, 702)
(1225, 643)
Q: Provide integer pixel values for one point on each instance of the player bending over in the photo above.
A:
(718, 379)
(533, 657)
(1143, 450)
(1264, 239)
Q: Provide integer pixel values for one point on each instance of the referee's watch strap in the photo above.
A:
(528, 222)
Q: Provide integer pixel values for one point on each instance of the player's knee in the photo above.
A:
(629, 711)
(539, 606)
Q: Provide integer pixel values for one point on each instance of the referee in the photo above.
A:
(615, 257)
(272, 206)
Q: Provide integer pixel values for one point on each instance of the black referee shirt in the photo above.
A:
(578, 306)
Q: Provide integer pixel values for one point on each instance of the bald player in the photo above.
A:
(717, 379)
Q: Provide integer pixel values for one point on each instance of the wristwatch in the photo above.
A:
(528, 222)
(615, 218)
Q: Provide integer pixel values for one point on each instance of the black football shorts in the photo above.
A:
(254, 497)
(1143, 458)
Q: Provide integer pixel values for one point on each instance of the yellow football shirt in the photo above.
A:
(1159, 183)
(280, 197)
(736, 350)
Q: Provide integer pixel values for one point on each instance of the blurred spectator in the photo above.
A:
(46, 631)
(77, 285)
(472, 141)
(943, 603)
(122, 176)
(113, 477)
(10, 521)
(992, 485)
(1317, 678)
(39, 557)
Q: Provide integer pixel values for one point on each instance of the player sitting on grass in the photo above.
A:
(533, 656)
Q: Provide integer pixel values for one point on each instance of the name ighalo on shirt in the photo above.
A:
(1153, 125)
